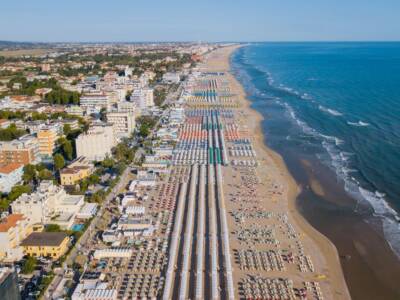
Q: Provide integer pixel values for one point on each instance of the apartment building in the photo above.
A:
(24, 150)
(47, 137)
(10, 175)
(143, 98)
(74, 110)
(127, 106)
(13, 229)
(49, 204)
(123, 123)
(171, 77)
(94, 102)
(79, 169)
(46, 244)
(97, 142)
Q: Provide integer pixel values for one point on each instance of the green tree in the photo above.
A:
(120, 168)
(108, 162)
(39, 167)
(29, 265)
(67, 129)
(52, 228)
(59, 161)
(11, 133)
(4, 204)
(68, 150)
(18, 190)
(94, 179)
(45, 174)
(159, 96)
(144, 130)
(38, 116)
(29, 173)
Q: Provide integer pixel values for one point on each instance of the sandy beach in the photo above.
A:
(277, 193)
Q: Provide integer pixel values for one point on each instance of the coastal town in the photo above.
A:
(139, 172)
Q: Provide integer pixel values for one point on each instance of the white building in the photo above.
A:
(96, 144)
(94, 289)
(128, 71)
(146, 178)
(163, 151)
(94, 102)
(135, 210)
(49, 204)
(171, 77)
(143, 98)
(128, 198)
(176, 116)
(87, 211)
(14, 229)
(10, 175)
(127, 106)
(74, 110)
(24, 150)
(113, 253)
(123, 123)
(111, 236)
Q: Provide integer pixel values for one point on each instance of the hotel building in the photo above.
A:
(97, 142)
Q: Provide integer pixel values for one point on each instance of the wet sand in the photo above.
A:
(371, 268)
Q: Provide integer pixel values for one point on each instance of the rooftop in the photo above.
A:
(10, 221)
(7, 169)
(44, 239)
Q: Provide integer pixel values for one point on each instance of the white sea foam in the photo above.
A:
(389, 217)
(330, 111)
(382, 210)
(358, 124)
(289, 90)
(340, 160)
(306, 96)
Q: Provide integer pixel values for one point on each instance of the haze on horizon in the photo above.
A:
(206, 20)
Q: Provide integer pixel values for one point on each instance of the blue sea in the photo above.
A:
(339, 102)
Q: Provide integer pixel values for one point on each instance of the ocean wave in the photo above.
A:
(389, 217)
(306, 96)
(334, 139)
(358, 124)
(311, 131)
(340, 161)
(282, 87)
(245, 79)
(330, 111)
(289, 90)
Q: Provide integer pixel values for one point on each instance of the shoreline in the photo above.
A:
(321, 246)
(324, 244)
(367, 262)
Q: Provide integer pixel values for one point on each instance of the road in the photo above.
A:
(88, 234)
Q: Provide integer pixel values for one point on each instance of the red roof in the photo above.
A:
(7, 169)
(10, 221)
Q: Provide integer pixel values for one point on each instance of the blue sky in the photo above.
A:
(200, 20)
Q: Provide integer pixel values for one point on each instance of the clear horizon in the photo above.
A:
(180, 21)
